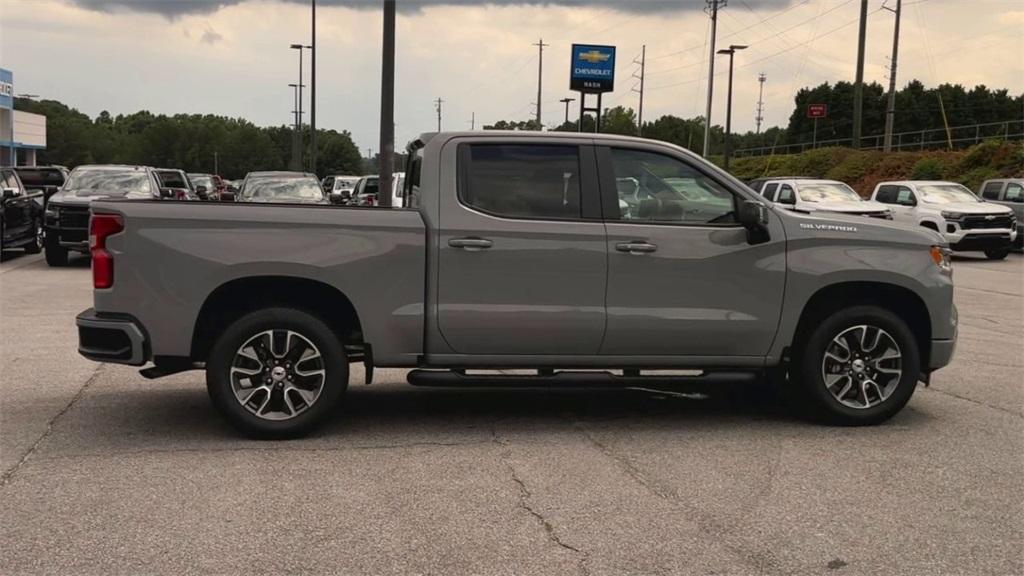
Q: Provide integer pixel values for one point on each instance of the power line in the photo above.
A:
(774, 34)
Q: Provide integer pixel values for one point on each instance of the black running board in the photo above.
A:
(568, 379)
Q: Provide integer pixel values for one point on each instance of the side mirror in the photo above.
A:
(9, 193)
(166, 193)
(753, 216)
(200, 189)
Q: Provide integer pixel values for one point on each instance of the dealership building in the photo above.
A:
(21, 133)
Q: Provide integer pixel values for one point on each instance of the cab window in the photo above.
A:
(786, 195)
(992, 190)
(886, 194)
(657, 188)
(905, 197)
(769, 191)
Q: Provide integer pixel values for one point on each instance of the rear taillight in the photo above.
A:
(102, 226)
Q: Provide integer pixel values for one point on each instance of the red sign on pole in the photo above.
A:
(817, 110)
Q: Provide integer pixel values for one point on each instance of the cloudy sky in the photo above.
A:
(231, 57)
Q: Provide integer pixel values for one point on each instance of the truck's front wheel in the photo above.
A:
(277, 372)
(859, 366)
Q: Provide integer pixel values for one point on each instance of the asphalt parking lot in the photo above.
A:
(105, 472)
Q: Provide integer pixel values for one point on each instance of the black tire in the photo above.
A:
(224, 353)
(818, 403)
(997, 253)
(56, 255)
(36, 246)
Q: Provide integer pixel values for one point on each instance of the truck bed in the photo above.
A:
(173, 255)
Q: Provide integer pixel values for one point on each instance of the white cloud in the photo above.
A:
(235, 60)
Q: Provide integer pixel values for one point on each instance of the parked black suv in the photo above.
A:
(67, 213)
(45, 179)
(21, 214)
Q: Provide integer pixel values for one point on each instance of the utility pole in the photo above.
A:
(566, 101)
(640, 112)
(540, 77)
(216, 169)
(312, 94)
(890, 111)
(858, 84)
(712, 8)
(472, 122)
(760, 101)
(295, 164)
(300, 47)
(387, 107)
(437, 106)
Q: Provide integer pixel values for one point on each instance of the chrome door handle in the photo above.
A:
(470, 244)
(636, 247)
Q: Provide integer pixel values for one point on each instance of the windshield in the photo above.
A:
(827, 192)
(945, 193)
(345, 183)
(284, 189)
(371, 186)
(202, 181)
(109, 183)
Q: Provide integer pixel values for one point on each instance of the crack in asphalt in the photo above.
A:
(524, 503)
(761, 562)
(268, 449)
(976, 402)
(9, 473)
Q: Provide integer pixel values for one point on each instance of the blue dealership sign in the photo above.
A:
(593, 68)
(6, 89)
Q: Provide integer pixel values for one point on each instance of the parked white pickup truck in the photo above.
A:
(967, 222)
(806, 195)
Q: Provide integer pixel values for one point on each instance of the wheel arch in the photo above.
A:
(235, 298)
(899, 300)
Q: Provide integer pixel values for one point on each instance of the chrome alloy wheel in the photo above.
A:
(277, 374)
(862, 366)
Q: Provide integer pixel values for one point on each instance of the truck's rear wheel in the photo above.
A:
(277, 373)
(859, 366)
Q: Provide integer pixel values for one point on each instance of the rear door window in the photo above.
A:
(1014, 193)
(769, 191)
(531, 181)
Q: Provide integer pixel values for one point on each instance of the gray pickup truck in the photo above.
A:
(521, 251)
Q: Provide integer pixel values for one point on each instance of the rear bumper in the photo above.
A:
(116, 339)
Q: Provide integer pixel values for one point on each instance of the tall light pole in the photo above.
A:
(312, 90)
(437, 106)
(759, 117)
(300, 47)
(387, 106)
(731, 51)
(566, 101)
(713, 6)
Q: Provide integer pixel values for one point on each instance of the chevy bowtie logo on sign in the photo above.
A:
(593, 68)
(594, 56)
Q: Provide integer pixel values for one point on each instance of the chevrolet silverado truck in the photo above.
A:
(514, 251)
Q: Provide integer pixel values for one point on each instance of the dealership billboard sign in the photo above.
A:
(593, 69)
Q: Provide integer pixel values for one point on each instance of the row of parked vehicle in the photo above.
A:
(985, 222)
(47, 207)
